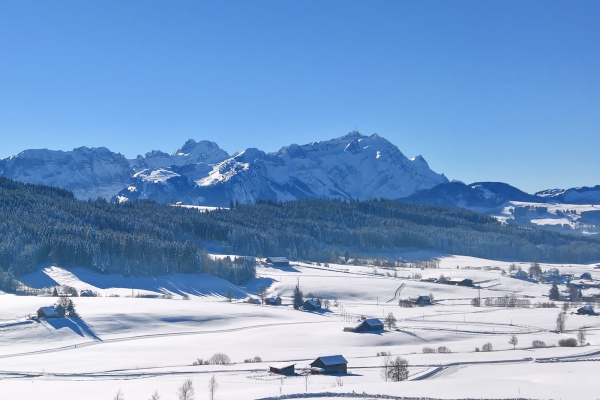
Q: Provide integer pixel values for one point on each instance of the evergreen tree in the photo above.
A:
(297, 297)
(554, 292)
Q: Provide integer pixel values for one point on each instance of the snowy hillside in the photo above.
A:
(547, 210)
(353, 166)
(149, 343)
(88, 173)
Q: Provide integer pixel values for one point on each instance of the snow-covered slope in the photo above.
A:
(353, 166)
(88, 173)
(581, 195)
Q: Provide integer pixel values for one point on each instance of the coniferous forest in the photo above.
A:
(39, 224)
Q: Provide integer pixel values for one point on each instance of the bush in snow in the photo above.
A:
(427, 350)
(571, 342)
(487, 347)
(538, 344)
(219, 359)
(443, 350)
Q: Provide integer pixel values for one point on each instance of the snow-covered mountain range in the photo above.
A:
(353, 166)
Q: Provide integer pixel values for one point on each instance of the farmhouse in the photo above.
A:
(282, 369)
(521, 275)
(423, 301)
(460, 282)
(278, 261)
(586, 310)
(273, 301)
(312, 305)
(586, 276)
(367, 325)
(329, 365)
(51, 312)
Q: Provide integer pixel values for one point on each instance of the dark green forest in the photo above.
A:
(40, 223)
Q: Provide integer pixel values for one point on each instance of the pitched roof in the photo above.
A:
(372, 322)
(313, 302)
(282, 365)
(333, 360)
(278, 259)
(49, 311)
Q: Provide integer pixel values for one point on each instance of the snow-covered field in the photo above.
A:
(147, 344)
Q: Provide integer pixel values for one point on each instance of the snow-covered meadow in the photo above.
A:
(149, 342)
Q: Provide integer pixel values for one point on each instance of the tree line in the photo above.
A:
(40, 223)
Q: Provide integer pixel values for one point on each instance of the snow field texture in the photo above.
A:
(145, 344)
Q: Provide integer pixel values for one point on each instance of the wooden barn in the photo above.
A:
(278, 261)
(423, 301)
(273, 301)
(312, 305)
(282, 369)
(51, 312)
(329, 365)
(586, 310)
(367, 325)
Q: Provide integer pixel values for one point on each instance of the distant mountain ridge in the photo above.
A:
(353, 166)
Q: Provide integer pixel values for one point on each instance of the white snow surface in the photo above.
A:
(149, 343)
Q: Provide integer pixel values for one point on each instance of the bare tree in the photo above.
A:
(306, 380)
(212, 388)
(119, 395)
(390, 321)
(262, 294)
(155, 396)
(186, 390)
(581, 336)
(281, 380)
(398, 370)
(514, 340)
(561, 321)
(326, 304)
(229, 294)
(566, 306)
(385, 368)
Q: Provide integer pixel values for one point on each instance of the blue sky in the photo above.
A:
(499, 91)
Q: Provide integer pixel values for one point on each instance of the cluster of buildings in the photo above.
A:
(325, 365)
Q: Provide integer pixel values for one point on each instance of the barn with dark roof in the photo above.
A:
(330, 365)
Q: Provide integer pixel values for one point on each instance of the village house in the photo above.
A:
(423, 301)
(273, 301)
(312, 305)
(366, 325)
(586, 310)
(329, 365)
(278, 261)
(51, 312)
(521, 275)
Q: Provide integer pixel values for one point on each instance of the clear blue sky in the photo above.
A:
(484, 90)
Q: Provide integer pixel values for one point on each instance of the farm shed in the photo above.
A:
(521, 275)
(586, 310)
(423, 301)
(330, 365)
(51, 312)
(273, 301)
(312, 305)
(282, 369)
(278, 261)
(367, 325)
